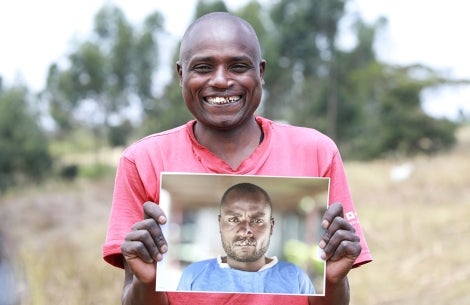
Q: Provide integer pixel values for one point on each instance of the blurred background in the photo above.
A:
(387, 80)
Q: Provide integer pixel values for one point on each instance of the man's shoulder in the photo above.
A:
(283, 126)
(285, 265)
(174, 136)
(297, 135)
(166, 134)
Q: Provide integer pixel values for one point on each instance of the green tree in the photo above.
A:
(169, 110)
(109, 71)
(317, 85)
(306, 31)
(405, 128)
(24, 154)
(207, 6)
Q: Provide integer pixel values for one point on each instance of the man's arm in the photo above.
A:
(143, 247)
(341, 247)
(137, 292)
(335, 294)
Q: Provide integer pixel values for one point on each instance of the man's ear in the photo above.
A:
(219, 218)
(272, 226)
(179, 70)
(262, 67)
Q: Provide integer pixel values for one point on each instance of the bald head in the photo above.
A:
(245, 189)
(219, 26)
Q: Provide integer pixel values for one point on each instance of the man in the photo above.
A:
(221, 76)
(246, 225)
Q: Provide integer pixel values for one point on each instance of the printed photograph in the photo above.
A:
(242, 234)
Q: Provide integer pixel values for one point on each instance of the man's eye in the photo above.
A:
(239, 68)
(233, 219)
(257, 221)
(202, 68)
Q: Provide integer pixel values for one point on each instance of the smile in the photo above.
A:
(222, 100)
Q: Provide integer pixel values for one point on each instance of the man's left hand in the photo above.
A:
(340, 244)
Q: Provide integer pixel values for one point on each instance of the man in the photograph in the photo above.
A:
(246, 225)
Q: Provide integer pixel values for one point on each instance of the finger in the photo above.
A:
(150, 234)
(338, 230)
(347, 248)
(136, 249)
(153, 210)
(335, 246)
(143, 246)
(332, 221)
(339, 223)
(333, 211)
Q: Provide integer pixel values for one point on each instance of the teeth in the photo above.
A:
(245, 243)
(220, 100)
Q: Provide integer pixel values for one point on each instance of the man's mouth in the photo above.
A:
(222, 100)
(246, 242)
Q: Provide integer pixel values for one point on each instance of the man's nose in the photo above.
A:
(221, 78)
(245, 227)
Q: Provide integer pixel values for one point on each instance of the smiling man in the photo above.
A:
(221, 75)
(246, 225)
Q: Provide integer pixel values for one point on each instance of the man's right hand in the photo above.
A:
(145, 245)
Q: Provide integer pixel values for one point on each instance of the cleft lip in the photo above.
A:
(245, 243)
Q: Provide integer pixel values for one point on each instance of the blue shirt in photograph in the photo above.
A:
(275, 277)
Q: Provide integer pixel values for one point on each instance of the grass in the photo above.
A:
(57, 230)
(416, 228)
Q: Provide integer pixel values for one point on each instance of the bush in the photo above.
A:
(24, 154)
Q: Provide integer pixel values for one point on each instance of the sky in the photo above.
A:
(35, 34)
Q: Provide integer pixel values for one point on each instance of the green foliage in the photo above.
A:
(405, 128)
(167, 111)
(347, 94)
(207, 6)
(118, 135)
(390, 119)
(24, 154)
(107, 72)
(96, 171)
(306, 33)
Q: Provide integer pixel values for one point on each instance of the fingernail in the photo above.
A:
(325, 224)
(322, 244)
(322, 254)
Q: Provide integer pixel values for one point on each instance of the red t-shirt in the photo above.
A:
(285, 151)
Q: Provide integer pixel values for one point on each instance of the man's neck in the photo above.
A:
(233, 146)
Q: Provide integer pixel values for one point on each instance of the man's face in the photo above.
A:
(245, 226)
(221, 74)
